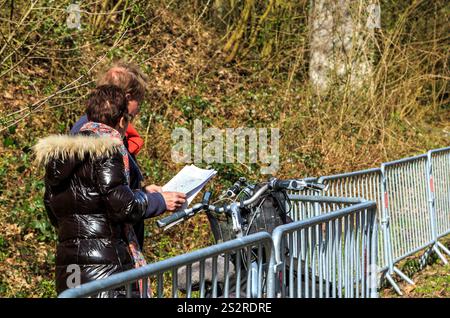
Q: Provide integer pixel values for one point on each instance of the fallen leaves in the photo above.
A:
(8, 95)
(11, 230)
(409, 288)
(29, 236)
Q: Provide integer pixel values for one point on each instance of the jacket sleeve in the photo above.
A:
(156, 205)
(123, 204)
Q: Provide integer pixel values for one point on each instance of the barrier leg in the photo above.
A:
(403, 276)
(392, 269)
(438, 252)
(443, 248)
(393, 283)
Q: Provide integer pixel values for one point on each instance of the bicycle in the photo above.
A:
(244, 215)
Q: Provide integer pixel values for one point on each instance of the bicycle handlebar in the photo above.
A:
(177, 216)
(272, 184)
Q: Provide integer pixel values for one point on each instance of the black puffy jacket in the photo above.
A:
(88, 200)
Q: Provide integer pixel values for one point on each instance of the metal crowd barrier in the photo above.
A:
(361, 184)
(329, 255)
(199, 274)
(303, 207)
(229, 269)
(413, 199)
(406, 201)
(406, 205)
(439, 193)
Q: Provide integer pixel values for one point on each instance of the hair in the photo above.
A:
(107, 104)
(128, 77)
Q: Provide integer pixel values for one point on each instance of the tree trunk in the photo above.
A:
(340, 43)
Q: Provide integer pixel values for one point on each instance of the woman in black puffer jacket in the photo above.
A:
(87, 196)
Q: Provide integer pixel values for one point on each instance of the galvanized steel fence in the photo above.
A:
(360, 184)
(440, 188)
(217, 270)
(439, 196)
(250, 267)
(413, 200)
(332, 255)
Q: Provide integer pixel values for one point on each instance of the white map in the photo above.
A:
(190, 181)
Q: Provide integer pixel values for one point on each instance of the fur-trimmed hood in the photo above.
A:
(74, 147)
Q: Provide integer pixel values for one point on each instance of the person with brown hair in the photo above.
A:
(133, 81)
(87, 194)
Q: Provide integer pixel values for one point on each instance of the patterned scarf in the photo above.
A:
(133, 245)
(103, 130)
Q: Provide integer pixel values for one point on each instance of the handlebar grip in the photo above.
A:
(206, 198)
(298, 185)
(171, 218)
(281, 184)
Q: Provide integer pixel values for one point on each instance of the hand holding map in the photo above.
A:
(190, 181)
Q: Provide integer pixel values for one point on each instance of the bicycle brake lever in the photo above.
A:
(237, 219)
